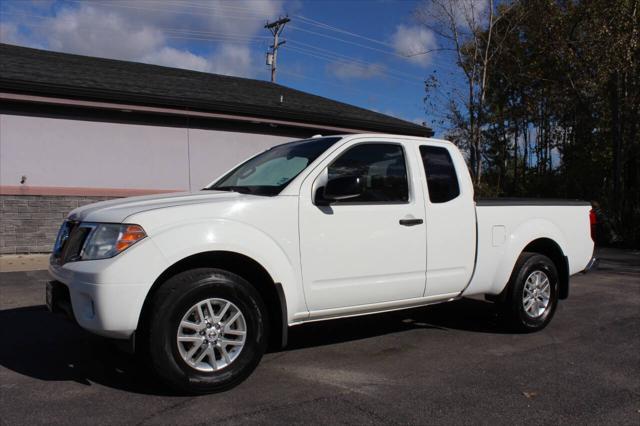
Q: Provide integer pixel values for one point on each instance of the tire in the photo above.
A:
(530, 304)
(170, 341)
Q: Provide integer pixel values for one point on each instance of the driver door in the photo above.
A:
(369, 248)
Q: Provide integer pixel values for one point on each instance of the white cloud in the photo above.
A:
(414, 42)
(96, 32)
(145, 31)
(170, 57)
(233, 60)
(470, 12)
(9, 33)
(346, 70)
(464, 14)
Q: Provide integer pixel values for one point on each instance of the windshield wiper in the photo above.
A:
(239, 189)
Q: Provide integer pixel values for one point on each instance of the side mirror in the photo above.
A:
(343, 188)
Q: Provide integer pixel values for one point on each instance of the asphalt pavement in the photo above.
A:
(452, 363)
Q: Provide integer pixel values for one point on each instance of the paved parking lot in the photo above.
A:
(450, 363)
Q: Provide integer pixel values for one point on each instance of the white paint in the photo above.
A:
(498, 235)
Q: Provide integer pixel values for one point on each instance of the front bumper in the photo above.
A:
(106, 296)
(110, 311)
(59, 300)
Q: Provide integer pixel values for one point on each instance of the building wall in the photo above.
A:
(30, 222)
(213, 153)
(68, 162)
(54, 152)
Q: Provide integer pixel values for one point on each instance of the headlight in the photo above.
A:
(108, 239)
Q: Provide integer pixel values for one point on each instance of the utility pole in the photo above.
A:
(276, 29)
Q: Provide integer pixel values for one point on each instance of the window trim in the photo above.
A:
(408, 171)
(426, 178)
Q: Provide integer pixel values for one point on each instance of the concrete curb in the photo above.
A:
(23, 262)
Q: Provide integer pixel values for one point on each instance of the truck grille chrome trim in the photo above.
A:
(69, 242)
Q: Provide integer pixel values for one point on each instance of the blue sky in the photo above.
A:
(355, 51)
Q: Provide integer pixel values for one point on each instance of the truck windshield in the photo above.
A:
(270, 172)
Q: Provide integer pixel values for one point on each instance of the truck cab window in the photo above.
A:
(381, 168)
(441, 174)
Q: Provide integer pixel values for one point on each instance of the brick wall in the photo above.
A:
(29, 223)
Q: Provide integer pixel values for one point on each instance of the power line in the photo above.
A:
(207, 35)
(435, 93)
(364, 46)
(307, 20)
(348, 58)
(303, 46)
(341, 86)
(196, 38)
(327, 58)
(228, 7)
(249, 14)
(316, 52)
(155, 9)
(313, 22)
(388, 52)
(339, 30)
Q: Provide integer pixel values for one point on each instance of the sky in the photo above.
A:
(363, 52)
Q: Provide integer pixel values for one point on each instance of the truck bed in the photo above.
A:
(502, 227)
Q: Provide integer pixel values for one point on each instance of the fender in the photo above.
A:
(517, 241)
(183, 240)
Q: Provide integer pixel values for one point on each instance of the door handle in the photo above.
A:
(411, 222)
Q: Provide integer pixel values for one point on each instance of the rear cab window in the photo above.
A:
(442, 180)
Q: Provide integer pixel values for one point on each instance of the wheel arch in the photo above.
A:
(242, 265)
(539, 236)
(551, 249)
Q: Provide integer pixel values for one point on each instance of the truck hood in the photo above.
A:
(116, 211)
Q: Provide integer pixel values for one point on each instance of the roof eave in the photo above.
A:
(306, 119)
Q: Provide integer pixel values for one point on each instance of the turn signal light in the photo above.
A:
(129, 236)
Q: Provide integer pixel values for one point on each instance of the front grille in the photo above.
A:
(75, 243)
(69, 243)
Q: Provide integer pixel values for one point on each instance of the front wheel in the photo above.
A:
(206, 331)
(532, 293)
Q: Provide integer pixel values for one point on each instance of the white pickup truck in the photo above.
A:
(315, 229)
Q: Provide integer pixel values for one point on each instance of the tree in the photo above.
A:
(467, 26)
(554, 98)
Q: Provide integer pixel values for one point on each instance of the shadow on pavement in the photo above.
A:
(465, 314)
(47, 347)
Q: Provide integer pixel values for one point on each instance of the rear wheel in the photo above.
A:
(532, 293)
(206, 330)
